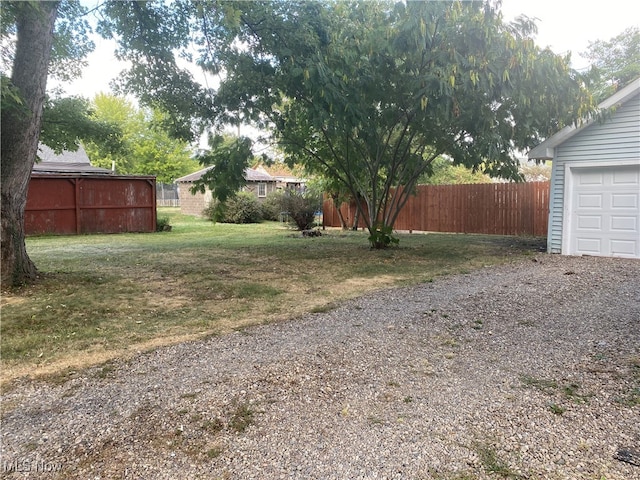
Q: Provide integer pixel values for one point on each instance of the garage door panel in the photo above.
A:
(624, 224)
(605, 211)
(588, 246)
(590, 200)
(620, 200)
(626, 176)
(591, 178)
(589, 222)
(621, 248)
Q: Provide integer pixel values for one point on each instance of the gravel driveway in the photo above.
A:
(529, 371)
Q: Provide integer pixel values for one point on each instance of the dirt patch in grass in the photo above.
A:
(62, 368)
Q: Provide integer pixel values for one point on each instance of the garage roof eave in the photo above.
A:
(546, 150)
(542, 152)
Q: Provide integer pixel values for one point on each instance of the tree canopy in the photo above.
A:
(367, 93)
(371, 93)
(615, 62)
(144, 147)
(67, 121)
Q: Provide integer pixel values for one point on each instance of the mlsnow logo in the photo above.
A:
(38, 465)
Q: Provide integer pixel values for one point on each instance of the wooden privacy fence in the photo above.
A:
(74, 204)
(490, 208)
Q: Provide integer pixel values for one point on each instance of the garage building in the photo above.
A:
(594, 206)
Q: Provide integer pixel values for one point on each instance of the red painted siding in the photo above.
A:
(75, 204)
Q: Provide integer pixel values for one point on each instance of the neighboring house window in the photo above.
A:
(262, 190)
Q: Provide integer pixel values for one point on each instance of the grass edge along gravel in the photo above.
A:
(102, 297)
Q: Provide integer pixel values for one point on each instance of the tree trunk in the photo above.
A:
(21, 132)
(343, 221)
(337, 204)
(356, 219)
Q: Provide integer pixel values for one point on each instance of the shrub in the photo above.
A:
(381, 236)
(243, 207)
(272, 206)
(162, 224)
(301, 207)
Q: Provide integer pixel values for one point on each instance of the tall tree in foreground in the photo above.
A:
(366, 93)
(38, 37)
(21, 121)
(371, 93)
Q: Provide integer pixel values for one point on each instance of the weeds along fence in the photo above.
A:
(493, 209)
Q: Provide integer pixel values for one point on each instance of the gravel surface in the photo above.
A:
(530, 370)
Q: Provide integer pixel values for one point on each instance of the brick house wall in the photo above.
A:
(259, 183)
(192, 204)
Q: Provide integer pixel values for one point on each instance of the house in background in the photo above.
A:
(285, 178)
(594, 206)
(66, 162)
(258, 182)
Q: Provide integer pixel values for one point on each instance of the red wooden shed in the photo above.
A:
(69, 196)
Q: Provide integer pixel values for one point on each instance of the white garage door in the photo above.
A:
(605, 211)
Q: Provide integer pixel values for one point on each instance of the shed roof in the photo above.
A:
(250, 175)
(66, 162)
(546, 150)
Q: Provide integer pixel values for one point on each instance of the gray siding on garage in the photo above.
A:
(554, 237)
(616, 139)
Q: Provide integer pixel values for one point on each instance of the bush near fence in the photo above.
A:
(490, 208)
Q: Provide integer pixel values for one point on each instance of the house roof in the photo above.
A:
(192, 177)
(280, 171)
(66, 162)
(250, 175)
(255, 176)
(546, 150)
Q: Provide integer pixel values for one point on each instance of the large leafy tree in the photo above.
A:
(145, 147)
(23, 96)
(366, 93)
(38, 38)
(371, 93)
(50, 37)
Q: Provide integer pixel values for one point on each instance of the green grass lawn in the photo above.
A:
(106, 296)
